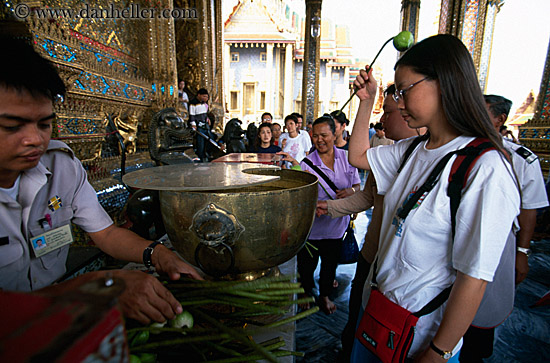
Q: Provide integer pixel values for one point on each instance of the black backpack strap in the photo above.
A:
(428, 185)
(429, 307)
(329, 182)
(466, 158)
(460, 170)
(410, 149)
(435, 302)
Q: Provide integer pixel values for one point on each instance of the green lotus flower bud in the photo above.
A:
(403, 41)
(140, 338)
(185, 319)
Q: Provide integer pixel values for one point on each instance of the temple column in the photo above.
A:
(410, 12)
(289, 76)
(218, 57)
(493, 7)
(269, 91)
(473, 22)
(535, 134)
(227, 72)
(312, 55)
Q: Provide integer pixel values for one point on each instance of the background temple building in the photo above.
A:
(264, 54)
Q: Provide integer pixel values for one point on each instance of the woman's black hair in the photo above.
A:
(326, 119)
(444, 58)
(258, 140)
(340, 117)
(291, 117)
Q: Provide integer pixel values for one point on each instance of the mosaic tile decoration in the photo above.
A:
(470, 24)
(443, 17)
(487, 42)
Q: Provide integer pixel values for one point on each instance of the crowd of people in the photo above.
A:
(446, 250)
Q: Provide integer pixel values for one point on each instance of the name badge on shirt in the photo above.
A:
(51, 240)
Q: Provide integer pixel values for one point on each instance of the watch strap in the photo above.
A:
(443, 354)
(524, 250)
(148, 252)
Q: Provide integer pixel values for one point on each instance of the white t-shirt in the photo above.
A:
(296, 147)
(14, 190)
(417, 257)
(498, 300)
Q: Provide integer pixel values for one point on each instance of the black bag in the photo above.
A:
(350, 249)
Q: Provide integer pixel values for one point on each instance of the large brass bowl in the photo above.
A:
(233, 219)
(244, 230)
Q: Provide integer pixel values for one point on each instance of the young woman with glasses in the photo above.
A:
(437, 88)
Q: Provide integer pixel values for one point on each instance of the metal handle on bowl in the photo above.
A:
(211, 272)
(216, 228)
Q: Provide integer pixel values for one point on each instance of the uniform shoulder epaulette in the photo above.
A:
(527, 154)
(59, 146)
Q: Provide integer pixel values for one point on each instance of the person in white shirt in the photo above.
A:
(294, 143)
(44, 188)
(421, 255)
(182, 95)
(498, 300)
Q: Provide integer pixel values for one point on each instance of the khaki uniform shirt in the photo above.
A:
(58, 175)
(377, 141)
(358, 202)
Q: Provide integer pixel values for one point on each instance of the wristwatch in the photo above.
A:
(527, 251)
(443, 354)
(148, 252)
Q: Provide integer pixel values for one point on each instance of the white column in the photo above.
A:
(227, 81)
(270, 73)
(289, 73)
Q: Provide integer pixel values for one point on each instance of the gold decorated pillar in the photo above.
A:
(312, 55)
(473, 22)
(410, 12)
(535, 134)
(162, 60)
(199, 43)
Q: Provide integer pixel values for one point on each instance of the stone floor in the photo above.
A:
(524, 336)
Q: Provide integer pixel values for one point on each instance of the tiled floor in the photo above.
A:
(524, 336)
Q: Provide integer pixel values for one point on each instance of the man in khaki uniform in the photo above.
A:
(43, 188)
(379, 138)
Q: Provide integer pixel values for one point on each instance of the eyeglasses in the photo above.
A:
(399, 94)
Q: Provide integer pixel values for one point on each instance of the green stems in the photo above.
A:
(368, 70)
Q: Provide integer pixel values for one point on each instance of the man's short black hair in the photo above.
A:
(297, 115)
(291, 117)
(498, 105)
(23, 69)
(266, 114)
(378, 126)
(202, 91)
